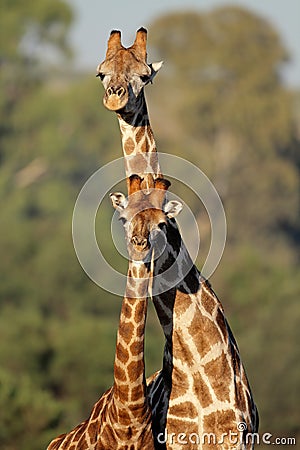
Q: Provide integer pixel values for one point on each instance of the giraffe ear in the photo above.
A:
(155, 67)
(172, 208)
(119, 201)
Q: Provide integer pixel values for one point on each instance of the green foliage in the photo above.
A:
(227, 111)
(26, 412)
(218, 102)
(26, 28)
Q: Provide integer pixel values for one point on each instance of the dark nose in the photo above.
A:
(117, 90)
(140, 242)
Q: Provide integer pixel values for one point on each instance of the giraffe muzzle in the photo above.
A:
(139, 243)
(115, 98)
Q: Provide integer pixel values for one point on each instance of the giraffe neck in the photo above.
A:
(129, 367)
(173, 271)
(204, 373)
(122, 417)
(138, 143)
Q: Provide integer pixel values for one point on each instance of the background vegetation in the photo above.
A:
(220, 102)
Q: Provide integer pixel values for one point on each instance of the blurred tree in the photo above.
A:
(28, 33)
(224, 106)
(26, 413)
(27, 28)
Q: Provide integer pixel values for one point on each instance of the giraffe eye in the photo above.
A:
(144, 78)
(122, 220)
(101, 75)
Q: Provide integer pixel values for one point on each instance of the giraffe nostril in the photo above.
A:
(120, 92)
(143, 243)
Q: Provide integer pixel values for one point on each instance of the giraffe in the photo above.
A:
(210, 404)
(124, 73)
(121, 418)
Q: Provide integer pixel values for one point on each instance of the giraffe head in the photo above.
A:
(125, 72)
(145, 215)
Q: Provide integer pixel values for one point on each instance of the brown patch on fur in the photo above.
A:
(92, 431)
(220, 422)
(180, 383)
(124, 417)
(137, 164)
(105, 437)
(208, 301)
(140, 310)
(137, 393)
(120, 373)
(136, 348)
(122, 353)
(129, 146)
(127, 310)
(78, 431)
(140, 330)
(204, 334)
(185, 409)
(132, 371)
(178, 426)
(182, 303)
(82, 443)
(126, 330)
(135, 184)
(96, 410)
(139, 134)
(220, 319)
(201, 390)
(122, 392)
(241, 402)
(218, 372)
(181, 349)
